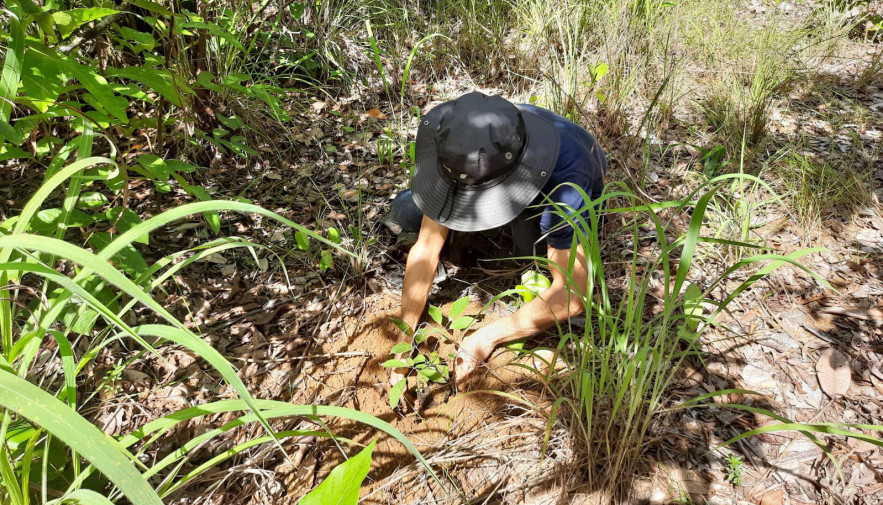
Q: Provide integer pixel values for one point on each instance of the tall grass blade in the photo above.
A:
(103, 452)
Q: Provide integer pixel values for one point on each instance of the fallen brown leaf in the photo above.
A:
(834, 373)
(774, 497)
(376, 114)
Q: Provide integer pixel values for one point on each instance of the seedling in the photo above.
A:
(734, 469)
(430, 368)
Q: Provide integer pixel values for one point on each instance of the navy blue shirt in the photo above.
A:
(581, 162)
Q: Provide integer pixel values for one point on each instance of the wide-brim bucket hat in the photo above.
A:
(480, 161)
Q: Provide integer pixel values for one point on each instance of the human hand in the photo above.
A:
(474, 351)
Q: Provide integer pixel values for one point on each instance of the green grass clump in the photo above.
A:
(816, 188)
(637, 335)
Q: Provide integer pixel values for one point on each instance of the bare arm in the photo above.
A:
(420, 270)
(554, 304)
(419, 273)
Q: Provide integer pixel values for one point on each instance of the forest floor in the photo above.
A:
(322, 338)
(308, 337)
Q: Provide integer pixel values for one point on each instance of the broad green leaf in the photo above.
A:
(46, 222)
(394, 363)
(102, 451)
(92, 199)
(124, 219)
(11, 152)
(400, 348)
(12, 64)
(303, 242)
(431, 374)
(143, 41)
(599, 71)
(395, 393)
(205, 80)
(532, 284)
(334, 235)
(215, 30)
(95, 84)
(69, 20)
(326, 261)
(233, 122)
(150, 6)
(458, 307)
(342, 485)
(162, 169)
(128, 259)
(526, 294)
(420, 336)
(435, 313)
(462, 322)
(8, 133)
(401, 325)
(236, 78)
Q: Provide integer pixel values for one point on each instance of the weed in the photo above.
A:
(734, 469)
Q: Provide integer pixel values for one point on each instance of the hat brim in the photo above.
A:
(490, 207)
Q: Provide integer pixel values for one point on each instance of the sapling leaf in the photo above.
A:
(400, 348)
(458, 307)
(431, 374)
(403, 326)
(418, 359)
(421, 335)
(532, 284)
(435, 313)
(394, 363)
(462, 322)
(395, 394)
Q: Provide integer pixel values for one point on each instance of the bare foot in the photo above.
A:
(472, 353)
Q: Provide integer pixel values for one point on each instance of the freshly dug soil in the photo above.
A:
(501, 431)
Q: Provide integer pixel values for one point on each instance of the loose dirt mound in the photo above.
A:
(486, 444)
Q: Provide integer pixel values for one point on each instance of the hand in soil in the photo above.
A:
(473, 352)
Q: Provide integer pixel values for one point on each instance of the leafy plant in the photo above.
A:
(734, 469)
(429, 368)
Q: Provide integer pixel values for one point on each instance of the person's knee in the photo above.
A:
(406, 213)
